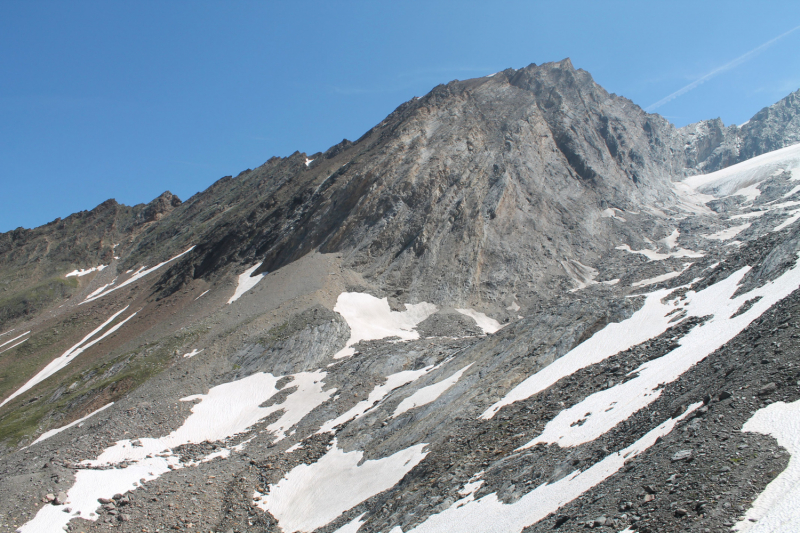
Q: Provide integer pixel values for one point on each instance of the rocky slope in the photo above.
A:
(519, 303)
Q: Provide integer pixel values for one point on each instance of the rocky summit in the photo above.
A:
(517, 304)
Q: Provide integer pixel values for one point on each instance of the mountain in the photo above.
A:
(519, 303)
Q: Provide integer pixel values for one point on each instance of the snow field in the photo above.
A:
(490, 515)
(246, 282)
(428, 394)
(776, 510)
(487, 325)
(311, 496)
(735, 178)
(376, 396)
(66, 358)
(81, 272)
(603, 410)
(139, 274)
(371, 318)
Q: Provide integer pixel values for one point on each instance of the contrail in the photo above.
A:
(736, 62)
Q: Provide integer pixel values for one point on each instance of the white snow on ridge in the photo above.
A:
(377, 394)
(371, 318)
(490, 515)
(81, 272)
(78, 422)
(246, 282)
(227, 410)
(139, 274)
(488, 325)
(653, 255)
(603, 410)
(735, 178)
(311, 496)
(66, 358)
(776, 510)
(428, 394)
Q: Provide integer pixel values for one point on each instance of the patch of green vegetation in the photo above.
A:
(30, 301)
(110, 379)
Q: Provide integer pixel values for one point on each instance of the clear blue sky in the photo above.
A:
(126, 100)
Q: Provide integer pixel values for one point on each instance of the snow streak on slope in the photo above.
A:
(226, 410)
(488, 325)
(310, 496)
(393, 382)
(603, 410)
(78, 422)
(142, 272)
(725, 234)
(776, 510)
(66, 358)
(728, 181)
(428, 394)
(15, 338)
(371, 318)
(490, 515)
(646, 323)
(246, 282)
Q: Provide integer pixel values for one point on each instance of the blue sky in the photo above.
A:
(126, 100)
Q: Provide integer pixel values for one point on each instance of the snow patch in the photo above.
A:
(311, 496)
(371, 318)
(206, 292)
(227, 410)
(776, 509)
(192, 353)
(81, 272)
(15, 338)
(611, 212)
(428, 394)
(352, 526)
(488, 325)
(662, 277)
(730, 233)
(246, 282)
(795, 216)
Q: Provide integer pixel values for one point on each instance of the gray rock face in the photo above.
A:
(710, 146)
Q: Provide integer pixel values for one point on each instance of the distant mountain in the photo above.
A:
(519, 303)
